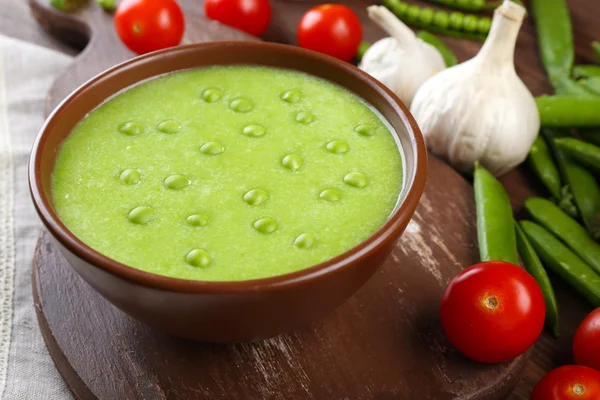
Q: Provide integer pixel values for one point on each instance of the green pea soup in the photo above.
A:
(228, 173)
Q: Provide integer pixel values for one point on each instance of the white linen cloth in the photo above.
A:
(26, 369)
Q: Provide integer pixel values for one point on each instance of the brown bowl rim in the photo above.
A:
(390, 229)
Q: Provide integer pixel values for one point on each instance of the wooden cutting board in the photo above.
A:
(384, 343)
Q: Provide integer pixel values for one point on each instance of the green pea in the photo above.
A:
(241, 105)
(293, 162)
(337, 147)
(477, 5)
(463, 4)
(141, 215)
(265, 225)
(130, 176)
(212, 148)
(426, 16)
(197, 220)
(470, 23)
(254, 130)
(483, 25)
(356, 179)
(131, 128)
(198, 258)
(330, 195)
(176, 182)
(400, 9)
(441, 19)
(168, 126)
(305, 117)
(456, 20)
(413, 12)
(212, 95)
(291, 96)
(305, 241)
(365, 130)
(255, 197)
(495, 222)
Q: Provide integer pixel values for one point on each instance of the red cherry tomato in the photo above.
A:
(251, 16)
(586, 344)
(569, 382)
(331, 29)
(493, 311)
(149, 25)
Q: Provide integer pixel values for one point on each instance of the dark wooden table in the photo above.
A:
(16, 21)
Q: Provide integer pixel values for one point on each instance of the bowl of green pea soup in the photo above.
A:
(228, 191)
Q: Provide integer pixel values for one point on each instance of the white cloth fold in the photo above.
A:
(26, 369)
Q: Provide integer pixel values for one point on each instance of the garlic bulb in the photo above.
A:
(402, 62)
(480, 110)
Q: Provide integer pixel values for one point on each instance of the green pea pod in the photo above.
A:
(468, 5)
(565, 201)
(544, 167)
(584, 153)
(567, 229)
(467, 26)
(596, 47)
(534, 266)
(555, 36)
(568, 111)
(585, 71)
(495, 223)
(590, 136)
(362, 49)
(556, 256)
(447, 54)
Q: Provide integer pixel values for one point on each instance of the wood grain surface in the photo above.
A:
(547, 354)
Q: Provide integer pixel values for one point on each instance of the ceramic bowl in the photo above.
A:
(235, 310)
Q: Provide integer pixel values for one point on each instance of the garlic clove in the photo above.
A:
(480, 110)
(402, 61)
